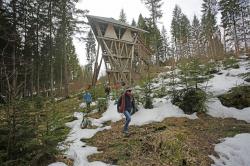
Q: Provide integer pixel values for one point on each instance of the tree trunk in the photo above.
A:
(244, 29)
(236, 44)
(66, 81)
(13, 89)
(61, 78)
(224, 41)
(50, 49)
(37, 51)
(32, 77)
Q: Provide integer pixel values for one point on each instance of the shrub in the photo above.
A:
(190, 100)
(230, 63)
(102, 104)
(148, 103)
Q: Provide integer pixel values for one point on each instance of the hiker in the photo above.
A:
(124, 105)
(107, 90)
(88, 99)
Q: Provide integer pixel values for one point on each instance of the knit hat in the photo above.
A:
(128, 89)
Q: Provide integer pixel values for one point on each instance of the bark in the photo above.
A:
(245, 30)
(50, 49)
(66, 81)
(236, 44)
(37, 51)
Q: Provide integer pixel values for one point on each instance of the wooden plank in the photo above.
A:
(127, 36)
(109, 52)
(116, 71)
(110, 32)
(107, 38)
(117, 56)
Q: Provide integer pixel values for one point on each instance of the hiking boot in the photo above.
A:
(126, 132)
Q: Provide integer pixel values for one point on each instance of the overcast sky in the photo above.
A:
(132, 9)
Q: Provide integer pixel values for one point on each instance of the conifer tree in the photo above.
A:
(196, 37)
(245, 23)
(210, 29)
(176, 30)
(142, 24)
(154, 7)
(133, 23)
(165, 49)
(234, 20)
(180, 30)
(230, 16)
(90, 53)
(123, 17)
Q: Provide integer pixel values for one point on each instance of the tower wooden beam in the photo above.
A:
(118, 42)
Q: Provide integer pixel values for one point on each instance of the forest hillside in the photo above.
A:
(189, 84)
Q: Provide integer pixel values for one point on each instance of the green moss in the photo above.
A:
(238, 97)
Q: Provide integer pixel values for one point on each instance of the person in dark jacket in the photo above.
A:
(124, 105)
(107, 90)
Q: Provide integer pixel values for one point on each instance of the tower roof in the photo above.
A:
(92, 19)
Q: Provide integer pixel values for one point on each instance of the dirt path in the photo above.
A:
(174, 142)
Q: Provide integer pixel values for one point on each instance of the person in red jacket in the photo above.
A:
(125, 105)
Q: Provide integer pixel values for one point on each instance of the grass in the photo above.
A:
(175, 141)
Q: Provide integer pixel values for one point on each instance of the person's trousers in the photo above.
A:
(128, 119)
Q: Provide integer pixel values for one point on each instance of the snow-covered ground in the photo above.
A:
(220, 84)
(162, 109)
(233, 151)
(216, 109)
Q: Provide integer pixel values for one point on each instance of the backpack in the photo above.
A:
(121, 104)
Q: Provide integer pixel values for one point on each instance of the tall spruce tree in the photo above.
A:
(142, 24)
(122, 16)
(165, 49)
(154, 7)
(185, 36)
(196, 37)
(176, 30)
(90, 53)
(210, 29)
(245, 23)
(180, 30)
(230, 18)
(234, 20)
(133, 23)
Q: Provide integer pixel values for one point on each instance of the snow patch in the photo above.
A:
(57, 164)
(216, 109)
(233, 151)
(162, 109)
(220, 84)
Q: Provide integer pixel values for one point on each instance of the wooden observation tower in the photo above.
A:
(123, 52)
